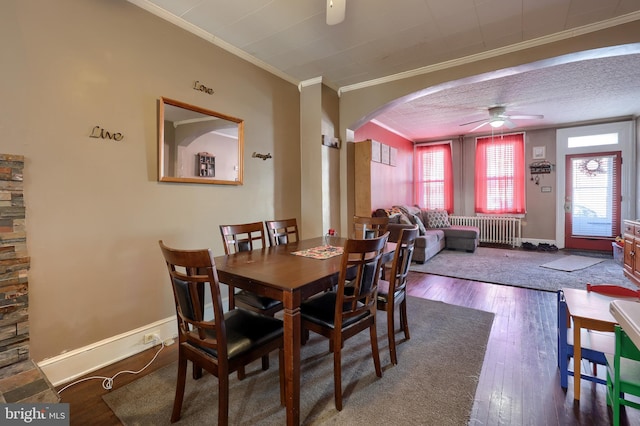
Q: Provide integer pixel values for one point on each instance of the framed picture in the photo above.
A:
(393, 156)
(539, 152)
(385, 154)
(375, 151)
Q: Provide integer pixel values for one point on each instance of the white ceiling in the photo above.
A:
(380, 39)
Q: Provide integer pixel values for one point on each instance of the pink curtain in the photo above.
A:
(500, 175)
(433, 183)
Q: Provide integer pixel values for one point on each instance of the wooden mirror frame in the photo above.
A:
(163, 173)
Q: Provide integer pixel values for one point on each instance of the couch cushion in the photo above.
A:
(461, 231)
(409, 210)
(404, 219)
(431, 238)
(415, 219)
(437, 218)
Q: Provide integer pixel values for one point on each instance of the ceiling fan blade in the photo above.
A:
(525, 116)
(479, 125)
(510, 124)
(475, 121)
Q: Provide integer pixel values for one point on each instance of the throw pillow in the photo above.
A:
(405, 219)
(416, 221)
(408, 210)
(438, 219)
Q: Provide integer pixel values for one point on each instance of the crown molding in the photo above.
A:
(563, 35)
(394, 131)
(161, 13)
(540, 41)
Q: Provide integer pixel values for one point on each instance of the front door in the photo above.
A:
(592, 204)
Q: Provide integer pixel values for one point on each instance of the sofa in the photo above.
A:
(436, 232)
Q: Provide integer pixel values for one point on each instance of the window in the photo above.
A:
(594, 193)
(500, 175)
(592, 140)
(434, 177)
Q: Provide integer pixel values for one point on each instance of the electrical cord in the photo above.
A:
(107, 382)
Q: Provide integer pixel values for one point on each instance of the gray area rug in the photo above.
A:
(434, 382)
(521, 268)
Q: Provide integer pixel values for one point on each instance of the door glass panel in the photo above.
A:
(593, 208)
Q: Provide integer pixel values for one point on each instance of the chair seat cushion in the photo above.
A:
(321, 310)
(383, 292)
(252, 299)
(247, 330)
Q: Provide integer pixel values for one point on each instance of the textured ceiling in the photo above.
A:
(380, 38)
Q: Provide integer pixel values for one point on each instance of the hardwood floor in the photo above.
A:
(519, 383)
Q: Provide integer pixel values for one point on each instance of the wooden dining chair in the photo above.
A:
(369, 227)
(220, 344)
(282, 231)
(393, 293)
(351, 308)
(246, 237)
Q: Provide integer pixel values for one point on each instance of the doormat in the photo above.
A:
(572, 263)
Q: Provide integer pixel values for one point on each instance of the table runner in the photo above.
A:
(320, 252)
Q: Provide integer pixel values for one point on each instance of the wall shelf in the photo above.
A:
(540, 167)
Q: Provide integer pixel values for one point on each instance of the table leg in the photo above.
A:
(292, 338)
(577, 358)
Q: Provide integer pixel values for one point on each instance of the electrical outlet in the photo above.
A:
(150, 338)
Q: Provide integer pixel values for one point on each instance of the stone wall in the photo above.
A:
(20, 378)
(14, 264)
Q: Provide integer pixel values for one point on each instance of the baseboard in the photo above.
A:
(71, 365)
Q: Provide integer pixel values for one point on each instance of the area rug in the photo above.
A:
(520, 268)
(434, 382)
(572, 263)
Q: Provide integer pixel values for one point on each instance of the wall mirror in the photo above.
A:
(196, 145)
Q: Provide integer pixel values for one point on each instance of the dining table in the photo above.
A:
(284, 273)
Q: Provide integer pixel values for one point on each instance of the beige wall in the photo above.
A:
(310, 160)
(95, 210)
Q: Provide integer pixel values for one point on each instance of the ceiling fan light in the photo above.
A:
(335, 11)
(496, 123)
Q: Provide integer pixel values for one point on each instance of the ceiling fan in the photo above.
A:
(498, 118)
(335, 11)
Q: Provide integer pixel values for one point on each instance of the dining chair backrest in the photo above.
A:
(242, 237)
(282, 231)
(369, 227)
(613, 290)
(402, 259)
(191, 271)
(359, 274)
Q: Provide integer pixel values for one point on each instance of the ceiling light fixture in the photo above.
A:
(496, 123)
(335, 11)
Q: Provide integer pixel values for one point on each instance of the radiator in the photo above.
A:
(493, 229)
